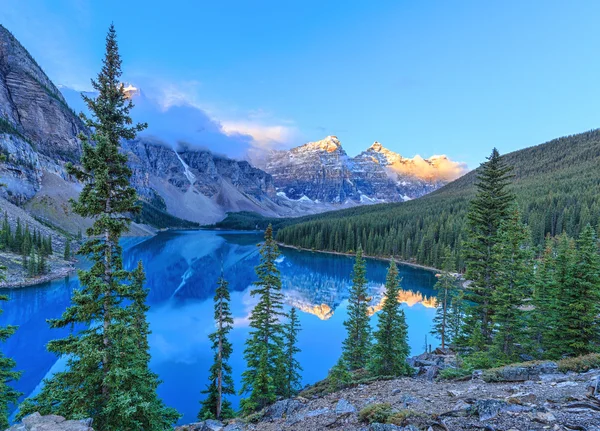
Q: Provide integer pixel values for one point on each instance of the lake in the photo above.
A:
(182, 269)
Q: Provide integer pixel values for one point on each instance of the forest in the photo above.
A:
(556, 186)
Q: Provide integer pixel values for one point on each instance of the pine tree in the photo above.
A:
(291, 365)
(215, 406)
(107, 376)
(390, 351)
(8, 395)
(446, 287)
(455, 316)
(67, 253)
(514, 277)
(357, 345)
(339, 377)
(580, 321)
(489, 207)
(541, 323)
(263, 378)
(564, 281)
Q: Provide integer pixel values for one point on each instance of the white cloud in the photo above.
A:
(264, 136)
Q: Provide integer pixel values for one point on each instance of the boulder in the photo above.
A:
(522, 398)
(283, 409)
(488, 409)
(344, 407)
(385, 427)
(520, 373)
(37, 422)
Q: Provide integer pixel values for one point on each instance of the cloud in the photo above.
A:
(175, 114)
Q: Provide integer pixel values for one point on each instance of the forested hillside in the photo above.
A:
(557, 185)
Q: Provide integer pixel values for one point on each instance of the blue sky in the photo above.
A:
(435, 77)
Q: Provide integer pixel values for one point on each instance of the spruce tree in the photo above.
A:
(292, 367)
(339, 377)
(456, 316)
(263, 378)
(557, 341)
(107, 376)
(446, 287)
(357, 345)
(541, 323)
(67, 252)
(390, 350)
(487, 210)
(8, 395)
(514, 277)
(215, 406)
(580, 321)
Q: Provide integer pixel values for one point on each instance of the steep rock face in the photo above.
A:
(322, 171)
(32, 105)
(319, 171)
(197, 185)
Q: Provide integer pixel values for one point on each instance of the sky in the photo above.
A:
(436, 77)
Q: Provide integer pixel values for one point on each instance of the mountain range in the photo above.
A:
(182, 184)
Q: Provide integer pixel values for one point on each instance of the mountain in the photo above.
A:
(322, 172)
(556, 185)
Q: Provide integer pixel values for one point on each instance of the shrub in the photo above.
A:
(579, 364)
(455, 373)
(379, 412)
(407, 417)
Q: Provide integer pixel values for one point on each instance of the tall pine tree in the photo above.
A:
(390, 350)
(445, 286)
(107, 376)
(263, 378)
(580, 320)
(357, 345)
(215, 406)
(514, 279)
(489, 207)
(292, 367)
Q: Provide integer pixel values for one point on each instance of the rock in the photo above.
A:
(344, 407)
(488, 409)
(566, 384)
(235, 427)
(520, 373)
(283, 408)
(212, 425)
(432, 372)
(37, 422)
(521, 397)
(544, 417)
(454, 393)
(593, 389)
(385, 427)
(318, 412)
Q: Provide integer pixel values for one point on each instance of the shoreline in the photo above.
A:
(387, 259)
(63, 272)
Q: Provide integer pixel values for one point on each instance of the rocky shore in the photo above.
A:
(532, 396)
(16, 275)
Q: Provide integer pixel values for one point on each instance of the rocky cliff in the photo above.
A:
(32, 106)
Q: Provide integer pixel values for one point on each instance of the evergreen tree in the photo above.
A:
(263, 378)
(489, 207)
(390, 351)
(357, 345)
(541, 323)
(514, 277)
(291, 365)
(215, 406)
(580, 321)
(8, 395)
(67, 253)
(446, 287)
(564, 282)
(339, 377)
(455, 316)
(107, 376)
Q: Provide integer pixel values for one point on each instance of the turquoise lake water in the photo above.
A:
(182, 269)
